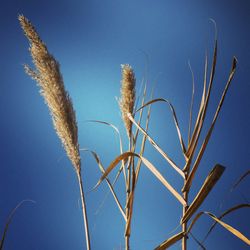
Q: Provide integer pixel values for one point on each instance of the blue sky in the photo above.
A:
(91, 39)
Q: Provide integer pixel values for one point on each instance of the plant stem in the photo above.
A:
(127, 242)
(126, 235)
(84, 211)
(184, 225)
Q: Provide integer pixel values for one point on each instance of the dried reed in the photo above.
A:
(127, 102)
(127, 159)
(127, 99)
(50, 81)
(189, 170)
(49, 78)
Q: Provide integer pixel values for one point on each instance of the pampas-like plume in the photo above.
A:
(127, 99)
(50, 80)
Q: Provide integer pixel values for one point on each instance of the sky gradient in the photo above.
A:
(91, 39)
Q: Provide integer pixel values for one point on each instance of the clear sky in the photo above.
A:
(91, 39)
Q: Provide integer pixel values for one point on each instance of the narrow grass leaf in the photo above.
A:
(225, 225)
(10, 217)
(169, 242)
(154, 144)
(202, 117)
(205, 142)
(137, 171)
(191, 104)
(230, 210)
(204, 102)
(120, 144)
(240, 180)
(141, 112)
(149, 165)
(107, 180)
(143, 143)
(207, 186)
(197, 241)
(194, 139)
(183, 147)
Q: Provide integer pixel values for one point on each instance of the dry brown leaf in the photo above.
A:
(149, 165)
(205, 142)
(230, 210)
(107, 180)
(169, 242)
(154, 144)
(183, 147)
(225, 225)
(207, 186)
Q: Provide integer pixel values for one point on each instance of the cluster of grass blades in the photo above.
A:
(192, 161)
(127, 161)
(48, 76)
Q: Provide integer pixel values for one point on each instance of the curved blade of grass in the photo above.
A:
(10, 217)
(232, 209)
(174, 117)
(154, 144)
(97, 158)
(205, 142)
(137, 171)
(240, 180)
(191, 104)
(234, 186)
(197, 241)
(141, 90)
(207, 186)
(193, 143)
(202, 117)
(149, 165)
(225, 225)
(169, 242)
(120, 143)
(144, 81)
(204, 101)
(141, 112)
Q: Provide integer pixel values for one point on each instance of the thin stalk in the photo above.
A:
(126, 235)
(84, 210)
(184, 224)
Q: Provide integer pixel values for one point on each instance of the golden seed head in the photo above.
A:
(50, 81)
(127, 99)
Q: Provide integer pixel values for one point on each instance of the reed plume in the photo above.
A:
(127, 99)
(50, 81)
(126, 102)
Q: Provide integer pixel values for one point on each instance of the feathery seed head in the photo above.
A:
(50, 81)
(127, 99)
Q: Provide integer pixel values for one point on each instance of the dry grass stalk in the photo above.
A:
(50, 80)
(188, 171)
(127, 100)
